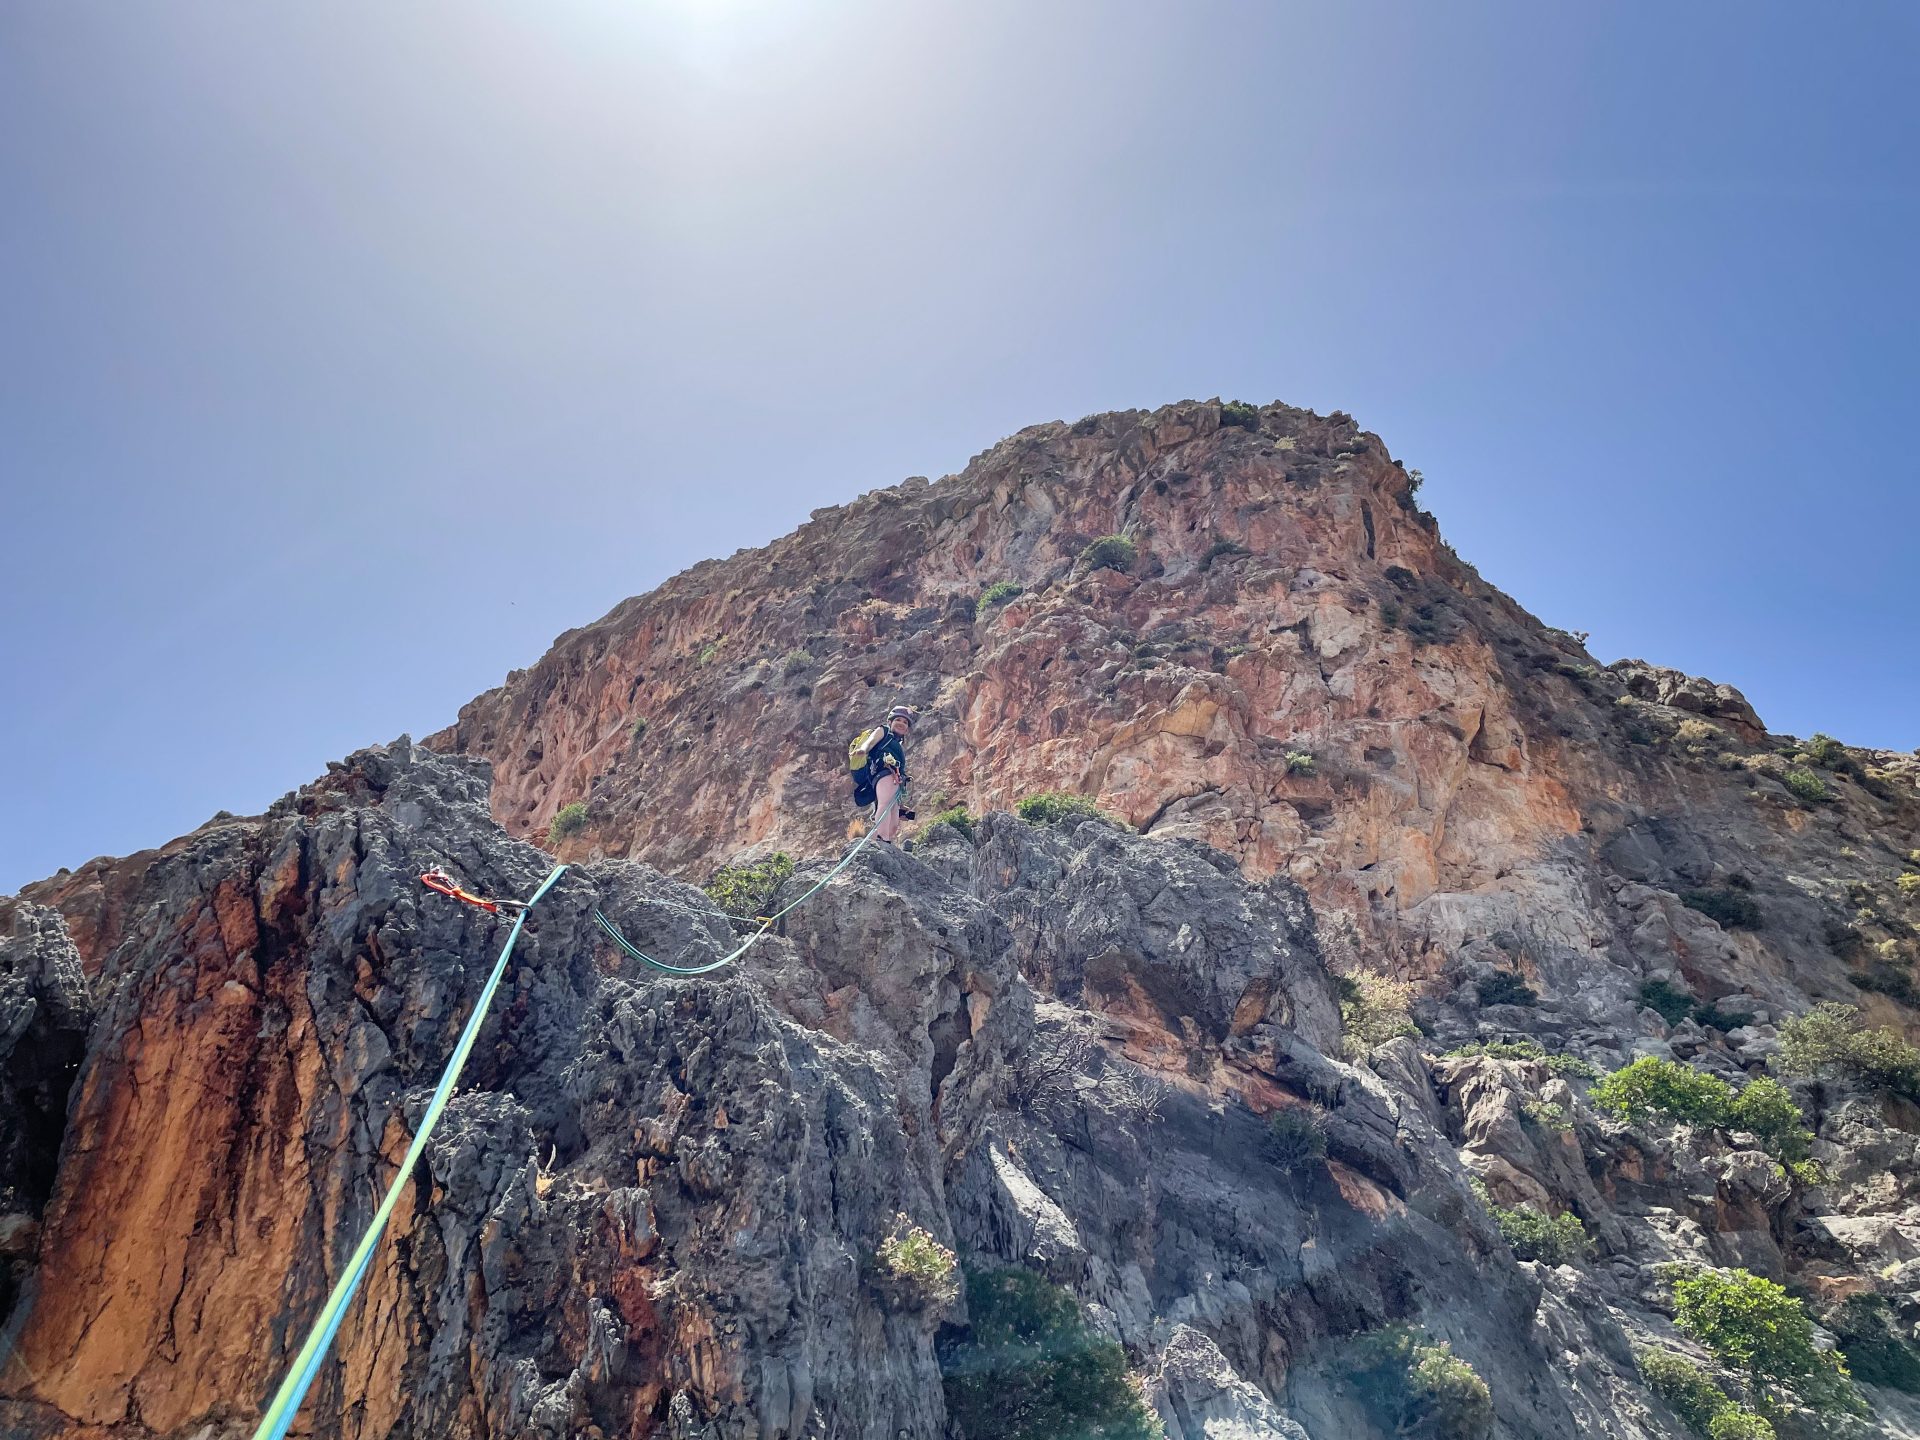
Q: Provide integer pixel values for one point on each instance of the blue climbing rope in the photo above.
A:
(286, 1402)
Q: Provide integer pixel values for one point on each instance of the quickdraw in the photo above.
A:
(442, 883)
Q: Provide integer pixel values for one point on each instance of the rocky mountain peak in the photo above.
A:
(1389, 1021)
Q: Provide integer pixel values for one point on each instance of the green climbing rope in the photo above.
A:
(273, 1425)
(767, 922)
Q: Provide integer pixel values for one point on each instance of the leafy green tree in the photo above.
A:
(1765, 1109)
(1754, 1325)
(1652, 1086)
(1030, 1368)
(1830, 1042)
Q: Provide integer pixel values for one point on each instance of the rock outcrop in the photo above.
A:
(1113, 1054)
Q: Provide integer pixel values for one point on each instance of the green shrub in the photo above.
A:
(957, 817)
(1110, 552)
(1030, 1368)
(1806, 1173)
(570, 820)
(1417, 1389)
(1414, 481)
(1296, 1139)
(1652, 1086)
(1299, 762)
(1447, 1397)
(1738, 1423)
(1547, 1115)
(1754, 1325)
(1374, 1010)
(1806, 785)
(794, 661)
(1734, 909)
(917, 1266)
(1894, 981)
(1571, 1067)
(746, 892)
(1238, 412)
(1909, 885)
(1829, 1042)
(639, 730)
(708, 653)
(1506, 987)
(999, 593)
(1222, 550)
(1051, 805)
(1824, 751)
(1878, 1348)
(1672, 1004)
(1534, 1235)
(1765, 1110)
(1688, 1390)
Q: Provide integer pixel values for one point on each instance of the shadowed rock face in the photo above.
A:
(655, 1206)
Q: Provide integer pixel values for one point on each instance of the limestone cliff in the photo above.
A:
(1111, 1054)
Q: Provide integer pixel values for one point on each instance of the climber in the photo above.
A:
(890, 784)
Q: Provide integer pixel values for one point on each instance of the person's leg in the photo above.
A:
(889, 822)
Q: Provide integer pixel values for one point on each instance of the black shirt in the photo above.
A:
(888, 749)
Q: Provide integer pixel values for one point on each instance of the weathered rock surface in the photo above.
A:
(655, 1206)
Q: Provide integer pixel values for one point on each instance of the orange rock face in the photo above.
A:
(1286, 598)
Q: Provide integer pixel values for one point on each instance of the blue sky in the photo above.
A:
(349, 353)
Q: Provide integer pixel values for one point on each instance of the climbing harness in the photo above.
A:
(766, 922)
(286, 1402)
(442, 883)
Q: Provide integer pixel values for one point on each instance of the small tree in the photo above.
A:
(1447, 1397)
(1735, 1422)
(1765, 1109)
(1238, 412)
(1829, 1041)
(1374, 1010)
(1420, 1389)
(1030, 1368)
(1299, 762)
(1754, 1325)
(998, 593)
(1652, 1086)
(1688, 1390)
(746, 892)
(570, 820)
